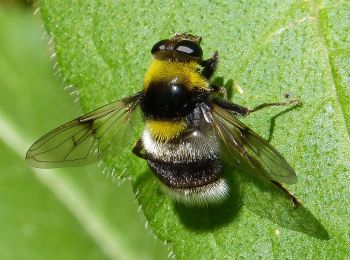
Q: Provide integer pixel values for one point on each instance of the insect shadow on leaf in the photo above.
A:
(269, 202)
(261, 198)
(202, 218)
(273, 120)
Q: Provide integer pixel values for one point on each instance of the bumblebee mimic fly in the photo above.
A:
(187, 126)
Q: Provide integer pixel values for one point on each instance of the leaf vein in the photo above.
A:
(337, 88)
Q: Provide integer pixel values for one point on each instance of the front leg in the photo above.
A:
(209, 65)
(244, 111)
(296, 102)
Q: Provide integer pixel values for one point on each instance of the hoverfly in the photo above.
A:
(186, 127)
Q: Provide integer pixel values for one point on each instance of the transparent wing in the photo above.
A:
(249, 149)
(85, 139)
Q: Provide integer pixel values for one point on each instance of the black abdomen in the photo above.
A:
(187, 175)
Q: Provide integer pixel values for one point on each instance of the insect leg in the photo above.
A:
(209, 65)
(244, 111)
(296, 203)
(235, 108)
(137, 150)
(261, 106)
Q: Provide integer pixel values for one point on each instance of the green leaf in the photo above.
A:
(56, 214)
(267, 49)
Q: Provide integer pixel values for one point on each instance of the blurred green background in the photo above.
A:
(54, 214)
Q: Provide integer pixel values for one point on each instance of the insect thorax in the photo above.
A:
(170, 94)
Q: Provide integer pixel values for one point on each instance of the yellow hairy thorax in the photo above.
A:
(186, 72)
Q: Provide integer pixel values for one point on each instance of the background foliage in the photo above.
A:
(56, 214)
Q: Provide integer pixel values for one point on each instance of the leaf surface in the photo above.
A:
(268, 49)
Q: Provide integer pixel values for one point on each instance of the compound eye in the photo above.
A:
(189, 48)
(159, 46)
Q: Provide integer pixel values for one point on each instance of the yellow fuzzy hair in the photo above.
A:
(186, 72)
(165, 130)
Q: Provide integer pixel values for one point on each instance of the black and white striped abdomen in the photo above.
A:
(192, 148)
(189, 167)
